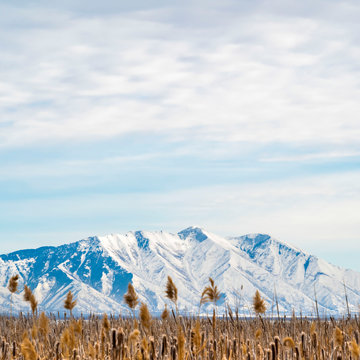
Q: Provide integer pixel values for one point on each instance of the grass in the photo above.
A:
(179, 338)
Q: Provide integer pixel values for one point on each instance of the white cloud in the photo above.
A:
(254, 76)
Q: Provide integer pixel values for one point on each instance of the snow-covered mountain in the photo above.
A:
(98, 269)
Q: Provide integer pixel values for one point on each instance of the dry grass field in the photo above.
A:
(175, 337)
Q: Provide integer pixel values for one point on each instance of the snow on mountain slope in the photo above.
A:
(98, 269)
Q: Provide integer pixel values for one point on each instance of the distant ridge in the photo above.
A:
(98, 269)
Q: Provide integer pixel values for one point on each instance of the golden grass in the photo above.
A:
(180, 338)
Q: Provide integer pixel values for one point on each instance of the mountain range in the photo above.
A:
(98, 269)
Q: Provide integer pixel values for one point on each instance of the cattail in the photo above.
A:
(258, 303)
(314, 339)
(277, 344)
(28, 350)
(145, 317)
(14, 349)
(163, 345)
(113, 338)
(273, 351)
(69, 303)
(120, 337)
(173, 352)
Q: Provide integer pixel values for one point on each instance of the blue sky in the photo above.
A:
(237, 116)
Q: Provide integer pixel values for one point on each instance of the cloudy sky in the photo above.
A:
(237, 116)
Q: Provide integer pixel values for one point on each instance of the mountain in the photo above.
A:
(98, 269)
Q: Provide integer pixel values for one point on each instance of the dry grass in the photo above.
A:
(175, 337)
(181, 338)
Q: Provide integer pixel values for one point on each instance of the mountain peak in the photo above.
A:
(193, 232)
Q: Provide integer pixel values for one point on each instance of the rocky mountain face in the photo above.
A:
(98, 269)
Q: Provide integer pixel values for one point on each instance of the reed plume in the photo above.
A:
(210, 293)
(131, 299)
(338, 337)
(258, 303)
(289, 342)
(145, 316)
(171, 291)
(33, 303)
(165, 313)
(354, 349)
(12, 286)
(69, 302)
(27, 293)
(43, 325)
(13, 283)
(28, 350)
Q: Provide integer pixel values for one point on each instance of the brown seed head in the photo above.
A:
(171, 290)
(130, 298)
(69, 303)
(165, 313)
(28, 350)
(355, 349)
(27, 293)
(338, 337)
(210, 293)
(13, 283)
(145, 316)
(289, 342)
(33, 303)
(259, 303)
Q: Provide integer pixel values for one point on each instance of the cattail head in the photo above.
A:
(13, 283)
(171, 290)
(131, 299)
(259, 303)
(210, 293)
(113, 338)
(69, 303)
(145, 316)
(163, 345)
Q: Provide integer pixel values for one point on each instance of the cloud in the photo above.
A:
(252, 76)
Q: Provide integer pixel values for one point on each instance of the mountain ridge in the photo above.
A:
(97, 270)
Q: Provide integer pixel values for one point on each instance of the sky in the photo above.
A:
(236, 116)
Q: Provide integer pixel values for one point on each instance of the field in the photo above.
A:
(172, 336)
(177, 337)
